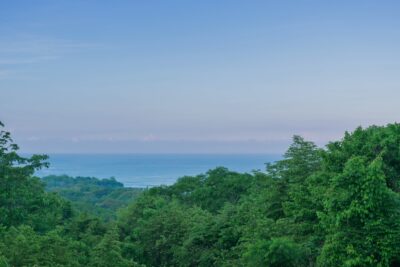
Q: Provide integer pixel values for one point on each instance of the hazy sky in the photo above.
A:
(195, 76)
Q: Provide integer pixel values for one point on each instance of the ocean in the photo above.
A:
(146, 170)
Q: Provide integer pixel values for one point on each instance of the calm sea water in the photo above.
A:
(143, 170)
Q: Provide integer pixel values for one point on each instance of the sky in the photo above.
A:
(195, 76)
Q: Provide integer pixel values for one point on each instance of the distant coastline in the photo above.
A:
(147, 170)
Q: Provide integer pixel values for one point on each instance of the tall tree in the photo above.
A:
(362, 217)
(22, 198)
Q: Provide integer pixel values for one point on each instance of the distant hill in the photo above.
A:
(101, 197)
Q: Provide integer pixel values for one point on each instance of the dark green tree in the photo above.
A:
(108, 252)
(276, 252)
(362, 217)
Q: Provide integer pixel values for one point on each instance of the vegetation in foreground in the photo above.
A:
(337, 206)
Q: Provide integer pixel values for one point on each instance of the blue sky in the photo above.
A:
(195, 76)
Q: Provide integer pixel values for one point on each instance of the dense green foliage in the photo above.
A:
(91, 195)
(39, 228)
(337, 206)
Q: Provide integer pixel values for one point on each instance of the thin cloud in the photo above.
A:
(15, 61)
(15, 54)
(39, 46)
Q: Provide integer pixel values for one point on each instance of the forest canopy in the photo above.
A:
(332, 206)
